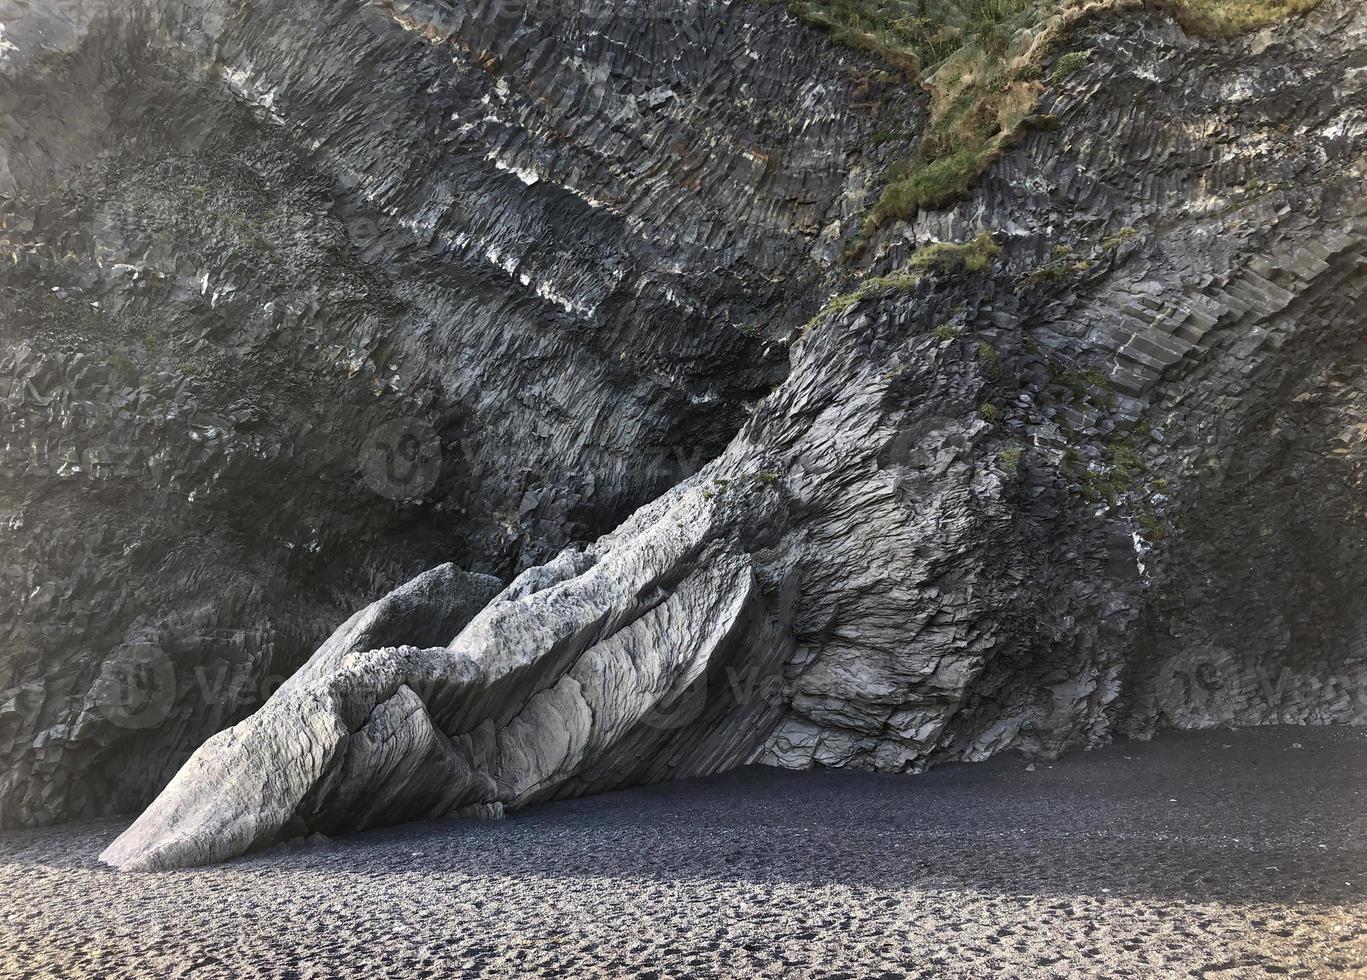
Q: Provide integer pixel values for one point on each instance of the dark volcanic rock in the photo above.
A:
(307, 298)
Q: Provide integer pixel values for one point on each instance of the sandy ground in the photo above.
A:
(1222, 854)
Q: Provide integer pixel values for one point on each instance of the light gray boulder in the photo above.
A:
(563, 671)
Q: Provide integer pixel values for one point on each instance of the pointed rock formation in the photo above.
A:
(572, 678)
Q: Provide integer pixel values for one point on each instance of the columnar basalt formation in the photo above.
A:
(1100, 475)
(304, 298)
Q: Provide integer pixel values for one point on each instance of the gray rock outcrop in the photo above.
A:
(1110, 482)
(574, 678)
(303, 298)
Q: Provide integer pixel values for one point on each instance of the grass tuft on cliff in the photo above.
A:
(950, 257)
(903, 281)
(931, 183)
(943, 258)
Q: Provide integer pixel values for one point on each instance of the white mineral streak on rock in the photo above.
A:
(6, 45)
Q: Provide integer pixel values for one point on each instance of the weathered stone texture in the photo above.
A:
(1111, 483)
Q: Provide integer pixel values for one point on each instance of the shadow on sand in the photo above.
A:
(1224, 816)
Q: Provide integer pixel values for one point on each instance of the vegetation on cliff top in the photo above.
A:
(983, 63)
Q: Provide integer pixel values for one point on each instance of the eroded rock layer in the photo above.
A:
(1105, 477)
(303, 298)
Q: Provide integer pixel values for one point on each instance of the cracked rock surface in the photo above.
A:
(1109, 483)
(302, 299)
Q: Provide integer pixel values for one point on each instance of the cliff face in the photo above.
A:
(306, 299)
(303, 299)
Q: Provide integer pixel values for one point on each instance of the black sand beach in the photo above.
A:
(1218, 854)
